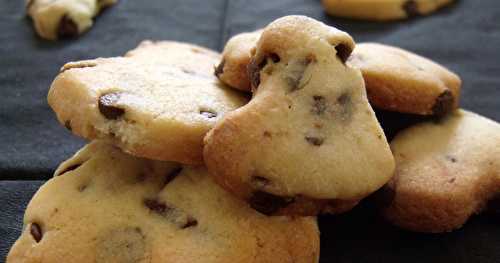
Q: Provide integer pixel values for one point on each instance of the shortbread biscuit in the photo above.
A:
(107, 206)
(54, 19)
(382, 10)
(235, 58)
(308, 139)
(156, 102)
(446, 172)
(399, 80)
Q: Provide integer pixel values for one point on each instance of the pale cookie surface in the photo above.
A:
(446, 172)
(54, 19)
(156, 102)
(382, 10)
(105, 206)
(399, 80)
(235, 58)
(308, 139)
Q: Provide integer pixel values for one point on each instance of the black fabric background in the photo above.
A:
(464, 37)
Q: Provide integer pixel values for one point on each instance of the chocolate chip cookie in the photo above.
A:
(446, 172)
(55, 19)
(235, 58)
(382, 10)
(399, 80)
(107, 206)
(308, 141)
(157, 101)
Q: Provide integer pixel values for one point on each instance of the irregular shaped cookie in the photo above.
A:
(156, 102)
(235, 58)
(382, 10)
(54, 19)
(106, 206)
(398, 80)
(446, 172)
(308, 140)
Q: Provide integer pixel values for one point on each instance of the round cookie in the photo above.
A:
(156, 102)
(382, 10)
(446, 172)
(64, 18)
(398, 80)
(106, 206)
(235, 58)
(308, 141)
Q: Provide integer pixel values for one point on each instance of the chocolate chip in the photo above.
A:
(267, 203)
(316, 141)
(108, 108)
(344, 100)
(319, 105)
(155, 206)
(253, 70)
(172, 174)
(220, 68)
(67, 28)
(208, 114)
(36, 232)
(69, 168)
(295, 73)
(190, 222)
(67, 124)
(267, 134)
(411, 8)
(444, 104)
(343, 52)
(274, 57)
(451, 158)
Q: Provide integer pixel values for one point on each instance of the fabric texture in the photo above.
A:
(463, 37)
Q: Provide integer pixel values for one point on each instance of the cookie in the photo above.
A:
(399, 80)
(235, 58)
(157, 101)
(308, 141)
(446, 172)
(382, 10)
(107, 206)
(64, 18)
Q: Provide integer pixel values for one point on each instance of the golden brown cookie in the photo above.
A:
(382, 10)
(446, 172)
(399, 80)
(54, 19)
(235, 58)
(158, 101)
(105, 206)
(308, 139)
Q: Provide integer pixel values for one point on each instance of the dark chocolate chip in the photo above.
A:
(451, 158)
(253, 70)
(69, 168)
(444, 104)
(267, 203)
(174, 173)
(319, 105)
(36, 232)
(296, 72)
(316, 141)
(411, 8)
(220, 68)
(190, 222)
(274, 57)
(208, 114)
(67, 124)
(343, 52)
(67, 28)
(108, 108)
(155, 206)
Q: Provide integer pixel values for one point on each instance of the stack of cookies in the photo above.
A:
(185, 166)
